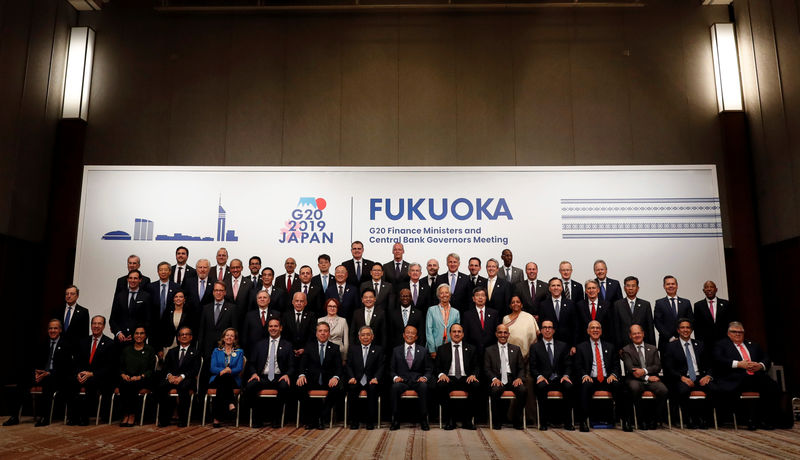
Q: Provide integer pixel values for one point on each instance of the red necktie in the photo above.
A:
(711, 307)
(263, 318)
(288, 283)
(745, 355)
(221, 275)
(599, 360)
(594, 311)
(482, 318)
(94, 348)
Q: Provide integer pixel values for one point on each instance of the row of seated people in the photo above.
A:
(456, 365)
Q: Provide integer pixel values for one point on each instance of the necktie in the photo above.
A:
(202, 288)
(341, 292)
(533, 289)
(414, 294)
(271, 360)
(745, 355)
(452, 282)
(364, 351)
(504, 367)
(690, 363)
(633, 304)
(599, 359)
(221, 274)
(482, 324)
(253, 279)
(367, 315)
(508, 273)
(298, 319)
(288, 283)
(183, 355)
(710, 307)
(358, 269)
(550, 353)
(67, 318)
(377, 289)
(397, 270)
(405, 317)
(132, 300)
(491, 288)
(235, 288)
(558, 309)
(475, 280)
(321, 353)
(217, 311)
(94, 348)
(567, 286)
(409, 356)
(603, 289)
(594, 311)
(180, 273)
(50, 357)
(642, 357)
(263, 318)
(674, 307)
(457, 359)
(324, 282)
(163, 297)
(432, 283)
(305, 289)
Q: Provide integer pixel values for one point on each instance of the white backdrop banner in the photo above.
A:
(646, 221)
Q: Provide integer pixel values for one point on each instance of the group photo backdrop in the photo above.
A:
(646, 221)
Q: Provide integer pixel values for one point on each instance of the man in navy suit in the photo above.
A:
(277, 296)
(593, 308)
(420, 292)
(667, 311)
(551, 365)
(271, 367)
(181, 269)
(498, 290)
(162, 291)
(320, 369)
(474, 268)
(402, 315)
(561, 312)
(217, 315)
(610, 290)
(531, 291)
(711, 316)
(573, 290)
(299, 324)
(597, 366)
(629, 311)
(458, 282)
(364, 372)
(324, 278)
(479, 322)
(740, 366)
(384, 291)
(457, 370)
(395, 272)
(314, 294)
(181, 367)
(134, 263)
(370, 315)
(682, 378)
(96, 362)
(254, 265)
(130, 308)
(346, 293)
(255, 328)
(198, 286)
(357, 268)
(74, 317)
(411, 369)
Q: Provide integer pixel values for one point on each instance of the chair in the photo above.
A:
(39, 391)
(693, 396)
(745, 396)
(508, 394)
(316, 394)
(143, 393)
(602, 395)
(409, 394)
(553, 396)
(269, 394)
(174, 394)
(211, 393)
(82, 392)
(649, 396)
(362, 395)
(456, 394)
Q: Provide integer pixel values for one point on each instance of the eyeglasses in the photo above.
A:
(183, 334)
(548, 327)
(736, 332)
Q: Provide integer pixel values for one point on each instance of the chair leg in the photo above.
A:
(440, 416)
(491, 423)
(111, 409)
(144, 405)
(99, 405)
(238, 398)
(524, 419)
(714, 412)
(735, 426)
(635, 418)
(538, 420)
(345, 409)
(297, 423)
(52, 405)
(283, 414)
(379, 413)
(189, 417)
(680, 416)
(669, 416)
(205, 406)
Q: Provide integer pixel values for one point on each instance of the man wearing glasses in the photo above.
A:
(550, 366)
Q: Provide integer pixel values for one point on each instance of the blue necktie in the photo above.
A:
(321, 360)
(163, 297)
(674, 308)
(66, 320)
(603, 289)
(690, 364)
(202, 288)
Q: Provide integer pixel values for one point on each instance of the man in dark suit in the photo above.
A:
(370, 315)
(217, 316)
(456, 368)
(122, 282)
(420, 292)
(74, 317)
(739, 366)
(498, 290)
(642, 366)
(96, 365)
(324, 278)
(610, 290)
(181, 368)
(162, 291)
(130, 308)
(181, 269)
(711, 316)
(411, 369)
(396, 271)
(502, 364)
(277, 296)
(299, 324)
(347, 294)
(561, 312)
(474, 268)
(287, 280)
(479, 322)
(364, 372)
(384, 291)
(667, 311)
(197, 286)
(255, 327)
(511, 274)
(596, 363)
(402, 315)
(220, 271)
(320, 369)
(532, 291)
(573, 290)
(357, 268)
(271, 367)
(237, 291)
(551, 364)
(458, 282)
(687, 369)
(629, 311)
(254, 265)
(314, 294)
(429, 283)
(593, 308)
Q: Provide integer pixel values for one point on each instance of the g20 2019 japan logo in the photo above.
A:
(306, 223)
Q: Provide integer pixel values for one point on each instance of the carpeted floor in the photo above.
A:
(96, 442)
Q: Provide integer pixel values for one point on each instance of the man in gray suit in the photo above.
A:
(514, 274)
(642, 365)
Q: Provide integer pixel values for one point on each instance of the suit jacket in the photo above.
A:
(531, 304)
(480, 337)
(477, 281)
(390, 277)
(623, 320)
(154, 289)
(366, 266)
(584, 316)
(124, 319)
(517, 274)
(331, 365)
(666, 321)
(189, 271)
(540, 360)
(386, 295)
(191, 289)
(421, 366)
(424, 294)
(252, 330)
(210, 332)
(78, 323)
(355, 367)
(213, 275)
(105, 361)
(242, 300)
(298, 336)
(280, 281)
(277, 300)
(377, 323)
(122, 284)
(284, 357)
(711, 329)
(613, 291)
(63, 360)
(350, 300)
(725, 352)
(631, 360)
(317, 280)
(167, 331)
(576, 290)
(425, 283)
(675, 364)
(435, 326)
(491, 363)
(395, 326)
(565, 324)
(584, 354)
(501, 296)
(461, 296)
(189, 367)
(444, 359)
(315, 297)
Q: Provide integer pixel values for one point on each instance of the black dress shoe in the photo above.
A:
(569, 427)
(370, 426)
(626, 427)
(652, 426)
(395, 426)
(258, 424)
(181, 424)
(11, 421)
(468, 426)
(354, 426)
(766, 426)
(584, 427)
(497, 426)
(42, 422)
(311, 426)
(83, 422)
(72, 422)
(518, 426)
(543, 427)
(163, 424)
(320, 424)
(450, 426)
(425, 426)
(217, 425)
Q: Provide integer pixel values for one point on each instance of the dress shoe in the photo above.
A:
(497, 426)
(354, 426)
(42, 422)
(276, 423)
(569, 427)
(652, 426)
(450, 426)
(468, 426)
(320, 424)
(258, 425)
(217, 425)
(181, 424)
(395, 425)
(163, 424)
(311, 426)
(424, 426)
(83, 422)
(626, 427)
(370, 426)
(766, 426)
(518, 426)
(702, 424)
(11, 421)
(72, 422)
(543, 426)
(584, 427)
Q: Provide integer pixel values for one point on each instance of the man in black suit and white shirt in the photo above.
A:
(396, 271)
(370, 315)
(299, 323)
(404, 314)
(532, 291)
(475, 278)
(162, 291)
(711, 316)
(255, 324)
(271, 367)
(429, 281)
(181, 367)
(551, 365)
(562, 313)
(596, 363)
(277, 296)
(682, 378)
(384, 291)
(314, 295)
(667, 311)
(131, 307)
(411, 369)
(217, 316)
(96, 362)
(320, 369)
(324, 278)
(593, 308)
(420, 292)
(198, 287)
(74, 317)
(221, 271)
(573, 290)
(610, 290)
(512, 274)
(364, 372)
(629, 311)
(357, 267)
(254, 264)
(287, 280)
(458, 282)
(498, 290)
(134, 263)
(181, 270)
(479, 322)
(346, 293)
(502, 364)
(237, 290)
(457, 370)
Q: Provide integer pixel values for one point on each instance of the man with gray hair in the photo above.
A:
(363, 372)
(457, 281)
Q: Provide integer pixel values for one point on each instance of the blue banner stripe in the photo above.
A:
(587, 236)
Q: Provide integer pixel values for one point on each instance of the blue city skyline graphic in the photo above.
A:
(143, 231)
